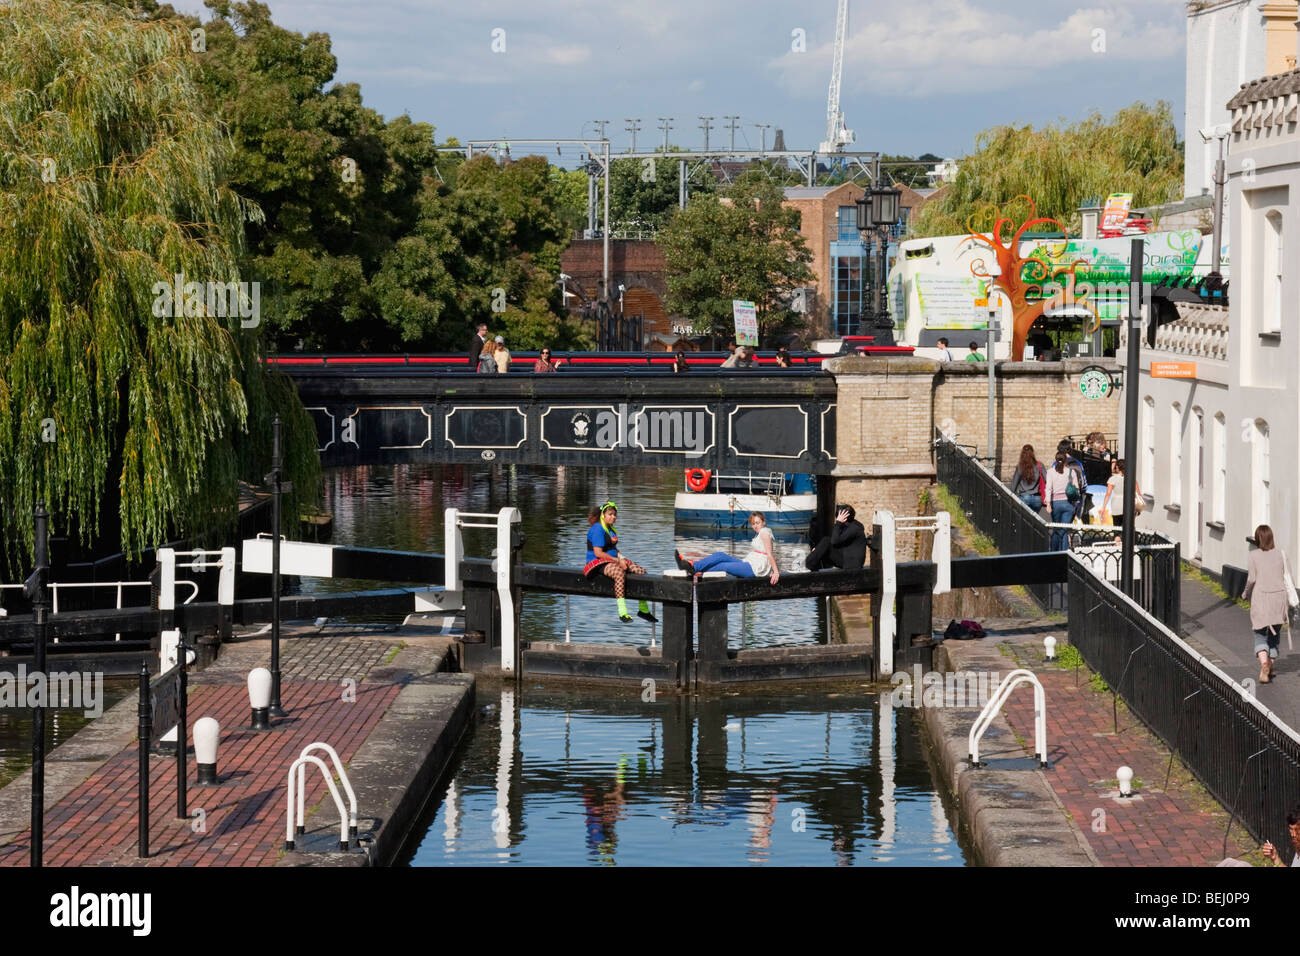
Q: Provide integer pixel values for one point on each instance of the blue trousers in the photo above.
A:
(1062, 513)
(718, 561)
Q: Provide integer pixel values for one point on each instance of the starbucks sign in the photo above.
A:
(1095, 382)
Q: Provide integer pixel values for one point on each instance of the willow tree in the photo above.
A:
(112, 173)
(1135, 151)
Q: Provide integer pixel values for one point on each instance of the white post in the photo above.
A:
(453, 551)
(169, 640)
(942, 553)
(226, 581)
(888, 591)
(507, 518)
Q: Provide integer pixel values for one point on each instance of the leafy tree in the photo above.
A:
(746, 247)
(908, 170)
(114, 180)
(1137, 150)
(643, 194)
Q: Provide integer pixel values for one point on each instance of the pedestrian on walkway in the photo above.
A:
(1113, 503)
(1266, 591)
(476, 346)
(945, 353)
(1028, 480)
(1293, 826)
(1058, 501)
(487, 363)
(1078, 478)
(544, 364)
(975, 354)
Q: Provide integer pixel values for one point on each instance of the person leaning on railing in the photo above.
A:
(544, 363)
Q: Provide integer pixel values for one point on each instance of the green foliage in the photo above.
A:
(747, 247)
(1068, 656)
(114, 177)
(1137, 150)
(643, 194)
(1098, 683)
(908, 170)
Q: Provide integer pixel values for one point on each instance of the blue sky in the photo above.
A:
(919, 76)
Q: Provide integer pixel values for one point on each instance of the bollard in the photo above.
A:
(259, 698)
(146, 731)
(207, 735)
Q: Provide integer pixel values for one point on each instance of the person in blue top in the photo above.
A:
(603, 558)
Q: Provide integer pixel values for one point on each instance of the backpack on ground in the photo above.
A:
(963, 631)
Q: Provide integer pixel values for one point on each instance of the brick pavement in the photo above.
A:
(1181, 826)
(96, 823)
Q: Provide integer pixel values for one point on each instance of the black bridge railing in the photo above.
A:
(1243, 754)
(1015, 529)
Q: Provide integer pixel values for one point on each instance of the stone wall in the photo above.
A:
(888, 409)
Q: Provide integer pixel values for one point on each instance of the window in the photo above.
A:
(1261, 486)
(1219, 505)
(847, 307)
(1175, 455)
(1148, 464)
(1271, 287)
(848, 224)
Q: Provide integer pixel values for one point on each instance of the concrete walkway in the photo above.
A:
(1220, 629)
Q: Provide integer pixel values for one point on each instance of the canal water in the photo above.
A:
(60, 724)
(571, 779)
(401, 507)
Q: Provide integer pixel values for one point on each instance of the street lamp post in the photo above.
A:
(878, 212)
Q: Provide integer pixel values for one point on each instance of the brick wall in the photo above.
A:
(887, 410)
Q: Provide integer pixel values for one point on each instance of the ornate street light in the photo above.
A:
(878, 212)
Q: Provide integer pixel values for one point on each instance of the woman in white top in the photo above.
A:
(759, 562)
(1113, 503)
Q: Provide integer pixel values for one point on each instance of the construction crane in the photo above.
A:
(837, 134)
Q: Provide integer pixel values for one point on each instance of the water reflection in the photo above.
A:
(401, 507)
(548, 780)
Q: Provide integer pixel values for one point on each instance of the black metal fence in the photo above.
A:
(1247, 758)
(1015, 529)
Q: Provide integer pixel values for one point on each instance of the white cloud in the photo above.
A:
(930, 47)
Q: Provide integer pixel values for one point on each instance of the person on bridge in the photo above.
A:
(679, 363)
(1266, 591)
(845, 547)
(544, 364)
(975, 354)
(945, 353)
(487, 362)
(760, 561)
(603, 558)
(502, 355)
(476, 347)
(783, 357)
(1059, 479)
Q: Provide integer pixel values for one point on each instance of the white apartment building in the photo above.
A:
(1219, 453)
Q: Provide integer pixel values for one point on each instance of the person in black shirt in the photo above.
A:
(476, 346)
(845, 547)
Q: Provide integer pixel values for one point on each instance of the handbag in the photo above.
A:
(1072, 492)
(1292, 599)
(1139, 503)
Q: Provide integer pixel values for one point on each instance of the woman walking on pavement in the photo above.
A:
(1266, 591)
(1028, 480)
(760, 562)
(603, 558)
(1058, 501)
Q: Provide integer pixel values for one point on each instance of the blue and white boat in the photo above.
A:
(724, 502)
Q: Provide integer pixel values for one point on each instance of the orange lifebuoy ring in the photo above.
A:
(697, 479)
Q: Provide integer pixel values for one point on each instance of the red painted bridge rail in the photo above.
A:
(522, 362)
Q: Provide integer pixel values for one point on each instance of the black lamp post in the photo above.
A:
(878, 212)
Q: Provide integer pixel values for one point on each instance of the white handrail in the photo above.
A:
(343, 778)
(994, 704)
(288, 800)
